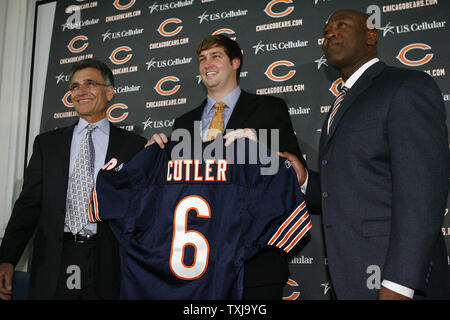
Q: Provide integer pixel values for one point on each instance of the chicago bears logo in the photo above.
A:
(71, 46)
(335, 87)
(269, 72)
(295, 293)
(66, 101)
(162, 26)
(111, 164)
(159, 86)
(113, 55)
(414, 63)
(224, 31)
(119, 6)
(115, 107)
(269, 9)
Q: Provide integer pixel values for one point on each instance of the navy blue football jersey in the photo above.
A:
(186, 226)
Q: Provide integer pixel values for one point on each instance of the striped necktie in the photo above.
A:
(80, 184)
(217, 123)
(336, 105)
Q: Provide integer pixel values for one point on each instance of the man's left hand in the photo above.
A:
(239, 133)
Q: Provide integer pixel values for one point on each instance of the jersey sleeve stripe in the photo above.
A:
(97, 216)
(299, 236)
(93, 207)
(90, 209)
(293, 229)
(286, 223)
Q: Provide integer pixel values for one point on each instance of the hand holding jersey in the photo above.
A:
(220, 61)
(187, 227)
(231, 136)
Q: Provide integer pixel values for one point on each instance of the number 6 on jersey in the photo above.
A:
(182, 238)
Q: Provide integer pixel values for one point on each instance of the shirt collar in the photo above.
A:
(103, 125)
(358, 73)
(230, 100)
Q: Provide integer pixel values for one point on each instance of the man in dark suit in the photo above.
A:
(220, 61)
(68, 264)
(384, 169)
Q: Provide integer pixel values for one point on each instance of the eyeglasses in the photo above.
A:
(88, 84)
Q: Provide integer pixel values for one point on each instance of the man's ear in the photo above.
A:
(236, 63)
(372, 37)
(109, 93)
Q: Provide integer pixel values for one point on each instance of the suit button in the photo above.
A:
(324, 162)
(324, 195)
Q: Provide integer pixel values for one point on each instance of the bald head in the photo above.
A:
(348, 42)
(361, 17)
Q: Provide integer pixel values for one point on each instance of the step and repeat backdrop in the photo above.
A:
(151, 47)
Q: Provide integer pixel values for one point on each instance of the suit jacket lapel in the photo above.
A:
(63, 145)
(357, 89)
(243, 109)
(115, 143)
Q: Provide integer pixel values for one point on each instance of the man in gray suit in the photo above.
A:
(383, 174)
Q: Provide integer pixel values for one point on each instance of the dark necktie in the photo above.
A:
(336, 105)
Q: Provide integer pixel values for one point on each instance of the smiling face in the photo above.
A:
(218, 72)
(348, 43)
(90, 102)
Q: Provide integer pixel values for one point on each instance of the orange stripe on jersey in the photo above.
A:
(91, 217)
(297, 239)
(94, 193)
(292, 230)
(283, 226)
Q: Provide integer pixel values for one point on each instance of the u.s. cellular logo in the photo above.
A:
(156, 7)
(108, 35)
(275, 46)
(153, 63)
(208, 17)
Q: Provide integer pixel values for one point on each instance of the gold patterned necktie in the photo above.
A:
(216, 125)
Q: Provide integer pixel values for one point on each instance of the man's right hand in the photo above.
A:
(159, 138)
(6, 274)
(299, 169)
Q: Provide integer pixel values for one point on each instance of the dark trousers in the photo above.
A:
(77, 275)
(268, 292)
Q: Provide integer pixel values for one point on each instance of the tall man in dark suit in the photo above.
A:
(220, 61)
(68, 262)
(384, 169)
